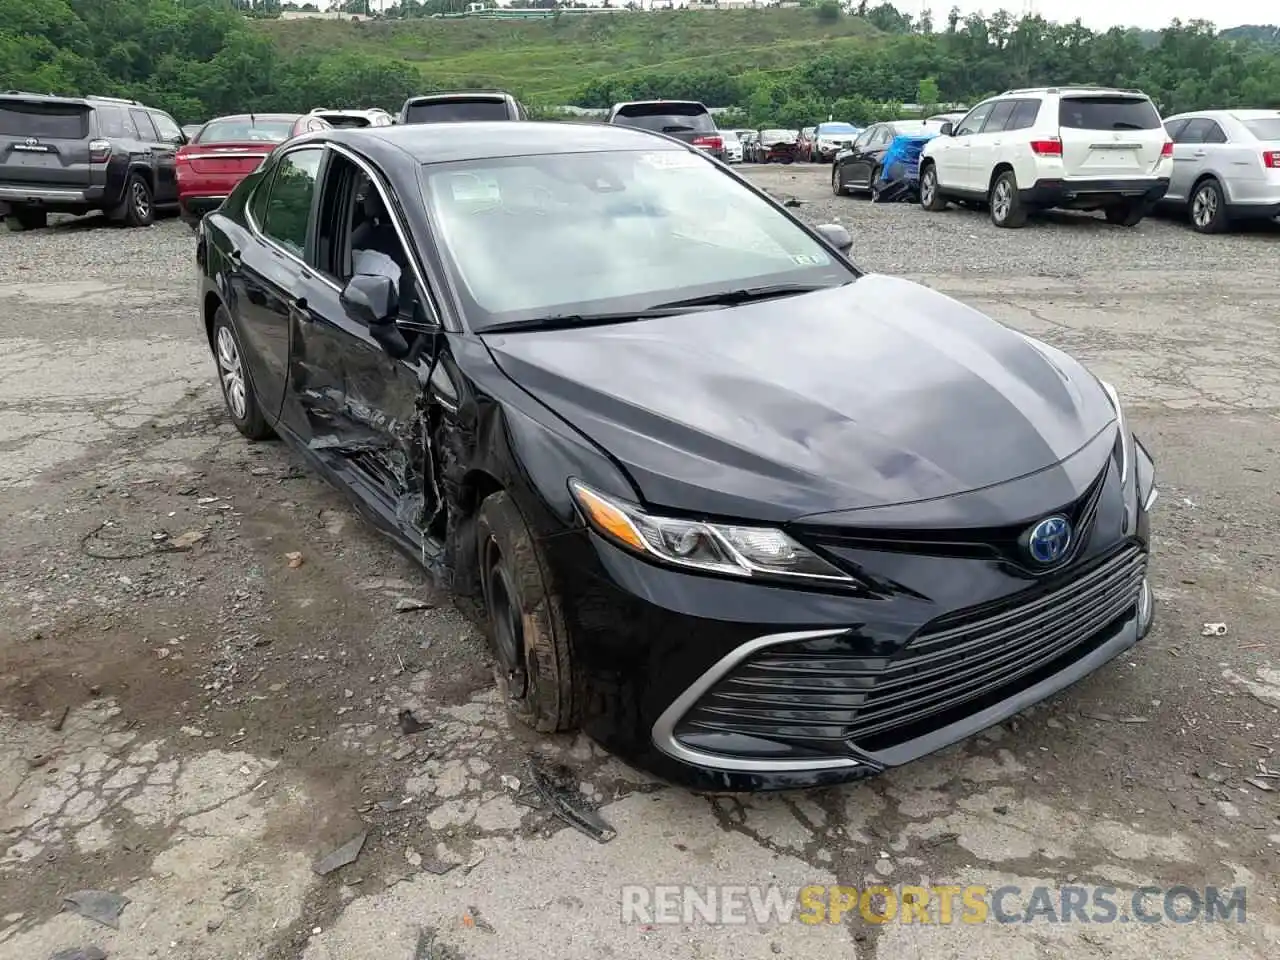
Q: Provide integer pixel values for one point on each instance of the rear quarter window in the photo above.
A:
(1266, 128)
(667, 118)
(1108, 113)
(44, 121)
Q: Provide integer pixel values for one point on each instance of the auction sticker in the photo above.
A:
(670, 160)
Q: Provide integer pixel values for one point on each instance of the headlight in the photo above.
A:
(1133, 457)
(740, 551)
(1126, 438)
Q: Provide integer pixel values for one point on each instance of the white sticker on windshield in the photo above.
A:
(670, 159)
(808, 259)
(469, 187)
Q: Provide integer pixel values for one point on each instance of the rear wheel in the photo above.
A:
(1208, 209)
(238, 393)
(1128, 214)
(527, 633)
(136, 208)
(837, 186)
(930, 196)
(1006, 207)
(25, 218)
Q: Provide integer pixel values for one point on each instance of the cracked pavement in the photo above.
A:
(194, 727)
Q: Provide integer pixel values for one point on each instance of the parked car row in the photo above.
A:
(1083, 148)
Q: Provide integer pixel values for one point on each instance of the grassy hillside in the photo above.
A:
(548, 61)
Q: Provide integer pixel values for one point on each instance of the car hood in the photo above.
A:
(878, 393)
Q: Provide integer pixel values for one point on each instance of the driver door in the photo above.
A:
(366, 424)
(959, 173)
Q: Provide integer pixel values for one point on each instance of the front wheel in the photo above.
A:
(237, 392)
(1006, 206)
(1208, 210)
(1125, 214)
(527, 632)
(837, 187)
(930, 196)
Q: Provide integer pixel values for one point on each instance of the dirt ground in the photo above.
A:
(204, 656)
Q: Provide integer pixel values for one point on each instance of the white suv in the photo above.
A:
(372, 117)
(1077, 148)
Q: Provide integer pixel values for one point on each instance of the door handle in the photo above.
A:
(1199, 154)
(298, 310)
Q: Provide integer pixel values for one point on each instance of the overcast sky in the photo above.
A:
(1101, 14)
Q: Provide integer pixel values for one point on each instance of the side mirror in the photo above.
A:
(374, 301)
(837, 236)
(946, 129)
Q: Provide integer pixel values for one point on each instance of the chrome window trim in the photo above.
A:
(663, 732)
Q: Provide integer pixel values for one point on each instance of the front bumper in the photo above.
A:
(727, 685)
(1093, 193)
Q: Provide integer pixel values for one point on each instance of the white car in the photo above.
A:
(1226, 166)
(1075, 148)
(373, 117)
(732, 146)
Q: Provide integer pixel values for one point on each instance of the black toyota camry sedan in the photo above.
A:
(747, 515)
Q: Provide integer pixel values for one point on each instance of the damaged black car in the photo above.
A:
(749, 516)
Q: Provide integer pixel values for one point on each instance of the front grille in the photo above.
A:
(818, 694)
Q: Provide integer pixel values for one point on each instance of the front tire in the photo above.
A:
(527, 632)
(930, 195)
(837, 187)
(1207, 211)
(237, 392)
(1006, 207)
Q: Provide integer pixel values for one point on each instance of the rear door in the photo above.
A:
(681, 120)
(1109, 136)
(1190, 155)
(44, 143)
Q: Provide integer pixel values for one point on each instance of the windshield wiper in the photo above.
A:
(561, 321)
(748, 294)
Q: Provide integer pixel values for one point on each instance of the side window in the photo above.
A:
(1196, 130)
(884, 136)
(1215, 133)
(288, 202)
(865, 136)
(317, 124)
(146, 129)
(974, 121)
(167, 127)
(1024, 115)
(1175, 127)
(113, 122)
(998, 118)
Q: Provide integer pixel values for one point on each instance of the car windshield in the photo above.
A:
(459, 109)
(915, 128)
(1108, 113)
(570, 234)
(779, 134)
(836, 129)
(666, 117)
(1264, 128)
(247, 130)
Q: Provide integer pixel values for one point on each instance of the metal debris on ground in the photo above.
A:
(345, 854)
(1259, 784)
(409, 723)
(1213, 630)
(559, 795)
(409, 604)
(99, 905)
(91, 952)
(184, 541)
(295, 559)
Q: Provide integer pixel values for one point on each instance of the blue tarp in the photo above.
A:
(902, 159)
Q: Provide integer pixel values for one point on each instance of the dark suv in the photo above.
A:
(80, 154)
(686, 120)
(464, 105)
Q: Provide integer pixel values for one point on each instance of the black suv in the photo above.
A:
(464, 105)
(79, 154)
(686, 120)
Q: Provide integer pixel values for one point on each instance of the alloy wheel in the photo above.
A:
(928, 184)
(233, 385)
(141, 202)
(1002, 200)
(1205, 206)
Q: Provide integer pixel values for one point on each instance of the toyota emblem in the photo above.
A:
(32, 141)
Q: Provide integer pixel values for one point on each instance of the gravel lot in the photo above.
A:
(194, 728)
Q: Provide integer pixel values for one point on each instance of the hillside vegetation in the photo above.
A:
(202, 58)
(551, 61)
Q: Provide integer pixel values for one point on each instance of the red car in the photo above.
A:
(227, 150)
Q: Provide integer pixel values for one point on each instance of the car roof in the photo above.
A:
(1231, 114)
(646, 103)
(492, 139)
(89, 101)
(259, 116)
(461, 94)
